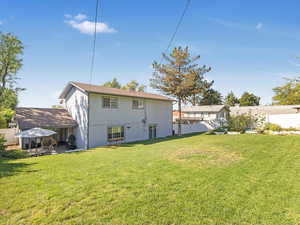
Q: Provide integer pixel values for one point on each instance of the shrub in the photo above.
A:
(272, 127)
(240, 123)
(2, 141)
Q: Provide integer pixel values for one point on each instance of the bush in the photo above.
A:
(273, 127)
(2, 141)
(240, 123)
(220, 129)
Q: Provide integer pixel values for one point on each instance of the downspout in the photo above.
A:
(88, 122)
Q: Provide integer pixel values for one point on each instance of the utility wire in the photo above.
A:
(94, 42)
(188, 2)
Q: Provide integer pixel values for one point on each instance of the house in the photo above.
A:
(58, 120)
(285, 116)
(200, 118)
(109, 115)
(204, 113)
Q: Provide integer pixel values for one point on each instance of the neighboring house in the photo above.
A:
(285, 116)
(204, 113)
(200, 118)
(109, 115)
(58, 120)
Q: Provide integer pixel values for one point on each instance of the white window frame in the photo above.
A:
(140, 104)
(113, 102)
(115, 133)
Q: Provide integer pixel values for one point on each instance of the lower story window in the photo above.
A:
(115, 133)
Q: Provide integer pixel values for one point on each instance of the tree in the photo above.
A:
(211, 97)
(8, 98)
(249, 99)
(134, 86)
(57, 107)
(179, 78)
(130, 86)
(231, 99)
(11, 48)
(289, 93)
(113, 84)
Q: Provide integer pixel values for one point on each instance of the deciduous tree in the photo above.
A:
(211, 97)
(11, 49)
(289, 93)
(249, 99)
(231, 99)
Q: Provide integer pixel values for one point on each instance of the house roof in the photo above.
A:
(28, 118)
(203, 108)
(270, 109)
(90, 88)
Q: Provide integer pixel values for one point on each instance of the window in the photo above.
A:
(115, 133)
(137, 104)
(110, 102)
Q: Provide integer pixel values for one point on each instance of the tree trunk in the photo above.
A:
(179, 119)
(194, 100)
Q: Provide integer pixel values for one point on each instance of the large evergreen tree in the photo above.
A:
(179, 78)
(289, 93)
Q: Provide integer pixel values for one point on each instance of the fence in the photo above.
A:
(9, 136)
(192, 127)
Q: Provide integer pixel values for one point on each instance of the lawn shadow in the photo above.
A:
(8, 167)
(153, 141)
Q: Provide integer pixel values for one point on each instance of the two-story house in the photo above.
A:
(109, 115)
(204, 112)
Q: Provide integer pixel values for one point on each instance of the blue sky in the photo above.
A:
(250, 45)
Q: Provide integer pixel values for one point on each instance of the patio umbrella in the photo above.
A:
(35, 133)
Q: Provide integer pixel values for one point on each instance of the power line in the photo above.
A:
(188, 2)
(94, 42)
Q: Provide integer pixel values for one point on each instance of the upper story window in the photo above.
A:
(138, 104)
(110, 102)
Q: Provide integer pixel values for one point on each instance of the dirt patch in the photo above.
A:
(204, 158)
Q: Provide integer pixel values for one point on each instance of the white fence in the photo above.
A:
(9, 136)
(285, 120)
(193, 127)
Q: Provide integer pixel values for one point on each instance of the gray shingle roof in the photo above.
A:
(28, 118)
(203, 108)
(271, 109)
(113, 91)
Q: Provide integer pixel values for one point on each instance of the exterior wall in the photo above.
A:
(285, 120)
(135, 121)
(76, 103)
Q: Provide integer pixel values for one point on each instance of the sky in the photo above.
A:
(250, 45)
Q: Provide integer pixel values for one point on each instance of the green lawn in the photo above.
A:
(200, 179)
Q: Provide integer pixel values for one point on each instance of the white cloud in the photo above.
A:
(80, 17)
(68, 16)
(259, 26)
(85, 26)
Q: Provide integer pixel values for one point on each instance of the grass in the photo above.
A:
(200, 179)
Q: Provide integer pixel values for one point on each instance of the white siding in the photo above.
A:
(135, 121)
(76, 103)
(285, 120)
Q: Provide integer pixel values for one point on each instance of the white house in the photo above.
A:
(200, 118)
(109, 115)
